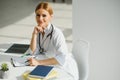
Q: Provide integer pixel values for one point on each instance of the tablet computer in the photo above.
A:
(17, 48)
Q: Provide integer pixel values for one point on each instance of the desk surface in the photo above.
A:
(15, 73)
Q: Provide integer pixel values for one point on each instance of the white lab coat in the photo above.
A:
(56, 47)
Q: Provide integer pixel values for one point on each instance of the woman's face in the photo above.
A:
(43, 18)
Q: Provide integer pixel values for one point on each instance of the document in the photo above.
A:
(19, 61)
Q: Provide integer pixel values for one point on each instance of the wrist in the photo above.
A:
(40, 62)
(34, 34)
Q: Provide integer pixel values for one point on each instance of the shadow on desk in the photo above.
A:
(19, 78)
(5, 58)
(4, 47)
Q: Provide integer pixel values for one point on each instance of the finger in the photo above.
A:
(29, 59)
(31, 65)
(40, 29)
(37, 28)
(43, 28)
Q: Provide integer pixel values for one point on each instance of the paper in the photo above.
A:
(19, 61)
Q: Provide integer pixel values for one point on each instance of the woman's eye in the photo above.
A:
(44, 15)
(37, 15)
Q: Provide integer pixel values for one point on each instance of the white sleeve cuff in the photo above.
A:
(29, 51)
(61, 58)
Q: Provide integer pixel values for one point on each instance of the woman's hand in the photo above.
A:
(38, 29)
(33, 62)
(50, 61)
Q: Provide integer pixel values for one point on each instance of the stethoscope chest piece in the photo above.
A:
(41, 50)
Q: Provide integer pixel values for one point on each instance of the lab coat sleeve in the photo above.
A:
(29, 51)
(61, 47)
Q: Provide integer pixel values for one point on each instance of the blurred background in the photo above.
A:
(17, 19)
(98, 22)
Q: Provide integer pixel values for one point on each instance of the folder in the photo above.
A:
(41, 71)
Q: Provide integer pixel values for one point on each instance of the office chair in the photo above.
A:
(80, 52)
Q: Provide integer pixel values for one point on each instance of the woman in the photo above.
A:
(48, 42)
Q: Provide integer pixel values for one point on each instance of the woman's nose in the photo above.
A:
(40, 18)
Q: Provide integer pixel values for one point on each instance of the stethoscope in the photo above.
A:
(41, 50)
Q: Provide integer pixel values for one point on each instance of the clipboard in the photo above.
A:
(19, 61)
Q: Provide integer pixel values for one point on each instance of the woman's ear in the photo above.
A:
(52, 16)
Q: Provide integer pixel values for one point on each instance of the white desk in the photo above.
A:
(15, 73)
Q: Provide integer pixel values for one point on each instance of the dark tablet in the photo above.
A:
(18, 48)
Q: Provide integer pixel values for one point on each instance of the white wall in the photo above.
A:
(98, 21)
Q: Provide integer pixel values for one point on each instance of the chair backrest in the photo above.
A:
(80, 52)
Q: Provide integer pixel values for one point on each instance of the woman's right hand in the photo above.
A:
(38, 29)
(33, 62)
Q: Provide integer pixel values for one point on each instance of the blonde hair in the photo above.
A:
(46, 6)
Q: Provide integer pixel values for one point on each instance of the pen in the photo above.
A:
(25, 55)
(27, 61)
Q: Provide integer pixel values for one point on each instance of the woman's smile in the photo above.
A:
(43, 17)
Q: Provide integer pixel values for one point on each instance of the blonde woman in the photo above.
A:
(49, 44)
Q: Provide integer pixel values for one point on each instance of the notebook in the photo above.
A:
(18, 48)
(41, 71)
(52, 75)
